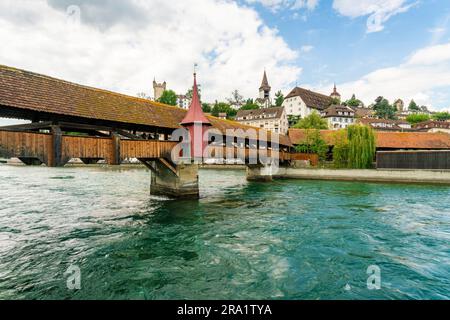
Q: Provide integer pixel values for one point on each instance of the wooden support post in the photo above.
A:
(55, 158)
(115, 159)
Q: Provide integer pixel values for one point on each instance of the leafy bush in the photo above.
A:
(313, 143)
(313, 121)
(417, 118)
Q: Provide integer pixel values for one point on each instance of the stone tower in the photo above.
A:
(400, 105)
(158, 89)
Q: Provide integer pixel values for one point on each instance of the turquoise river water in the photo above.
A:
(290, 239)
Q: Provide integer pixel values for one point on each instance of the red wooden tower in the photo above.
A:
(196, 122)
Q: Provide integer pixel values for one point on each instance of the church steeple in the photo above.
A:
(335, 94)
(265, 83)
(264, 90)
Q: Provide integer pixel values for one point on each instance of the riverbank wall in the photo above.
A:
(370, 175)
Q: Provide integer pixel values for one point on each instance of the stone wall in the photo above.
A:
(403, 176)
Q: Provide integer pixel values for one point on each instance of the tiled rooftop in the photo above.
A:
(39, 93)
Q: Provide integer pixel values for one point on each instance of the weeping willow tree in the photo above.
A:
(361, 147)
(341, 149)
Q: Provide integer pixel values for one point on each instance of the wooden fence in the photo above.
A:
(414, 160)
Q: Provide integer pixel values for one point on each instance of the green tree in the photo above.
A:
(222, 107)
(249, 105)
(353, 102)
(293, 120)
(416, 118)
(334, 102)
(341, 149)
(413, 106)
(313, 121)
(236, 99)
(206, 108)
(383, 109)
(168, 97)
(279, 99)
(362, 148)
(441, 116)
(190, 92)
(313, 143)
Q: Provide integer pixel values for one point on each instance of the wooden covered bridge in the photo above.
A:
(74, 121)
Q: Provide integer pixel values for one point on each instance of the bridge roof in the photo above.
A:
(22, 90)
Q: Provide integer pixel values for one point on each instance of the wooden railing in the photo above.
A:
(146, 149)
(87, 148)
(26, 145)
(55, 149)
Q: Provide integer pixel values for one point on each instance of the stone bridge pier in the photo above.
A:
(179, 181)
(261, 172)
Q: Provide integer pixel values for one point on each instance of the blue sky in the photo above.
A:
(393, 48)
(340, 49)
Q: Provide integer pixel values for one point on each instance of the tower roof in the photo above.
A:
(195, 113)
(264, 83)
(335, 93)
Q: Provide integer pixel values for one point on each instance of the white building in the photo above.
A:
(272, 119)
(433, 126)
(302, 102)
(183, 101)
(386, 124)
(339, 117)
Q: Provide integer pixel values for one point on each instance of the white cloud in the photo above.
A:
(306, 49)
(434, 55)
(309, 4)
(421, 77)
(121, 45)
(276, 5)
(379, 11)
(440, 29)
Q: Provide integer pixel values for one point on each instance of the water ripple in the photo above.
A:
(284, 240)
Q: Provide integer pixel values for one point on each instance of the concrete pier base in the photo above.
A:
(262, 173)
(183, 184)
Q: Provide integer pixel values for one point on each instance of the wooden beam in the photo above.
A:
(56, 156)
(27, 126)
(168, 165)
(146, 163)
(115, 152)
(129, 135)
(73, 125)
(97, 133)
